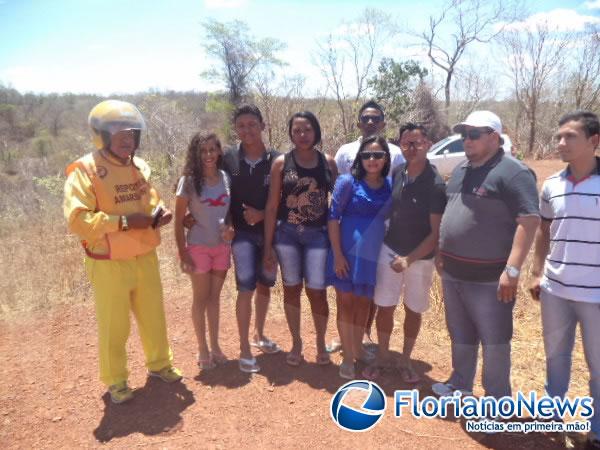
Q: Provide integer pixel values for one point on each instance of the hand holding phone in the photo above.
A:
(157, 213)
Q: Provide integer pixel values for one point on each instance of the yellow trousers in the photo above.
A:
(118, 287)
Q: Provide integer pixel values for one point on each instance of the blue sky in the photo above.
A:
(114, 46)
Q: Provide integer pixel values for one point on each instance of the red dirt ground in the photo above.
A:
(50, 396)
(53, 399)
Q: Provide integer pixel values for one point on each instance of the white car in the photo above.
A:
(448, 153)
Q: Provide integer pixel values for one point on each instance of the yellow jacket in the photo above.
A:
(98, 191)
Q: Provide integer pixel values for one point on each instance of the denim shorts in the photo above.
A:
(302, 253)
(247, 248)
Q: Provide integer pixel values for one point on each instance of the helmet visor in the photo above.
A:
(113, 116)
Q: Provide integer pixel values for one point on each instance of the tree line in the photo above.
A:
(545, 69)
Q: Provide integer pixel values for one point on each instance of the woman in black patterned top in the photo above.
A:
(300, 183)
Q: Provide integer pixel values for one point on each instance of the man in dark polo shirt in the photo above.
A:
(249, 164)
(405, 265)
(486, 232)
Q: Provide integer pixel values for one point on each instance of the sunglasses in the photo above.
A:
(367, 119)
(475, 133)
(365, 156)
(416, 144)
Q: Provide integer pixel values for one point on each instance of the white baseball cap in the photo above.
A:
(480, 119)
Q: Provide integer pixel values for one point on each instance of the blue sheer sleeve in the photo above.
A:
(342, 194)
(386, 210)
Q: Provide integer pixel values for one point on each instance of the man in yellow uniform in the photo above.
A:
(111, 206)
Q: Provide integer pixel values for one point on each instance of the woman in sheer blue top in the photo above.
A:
(356, 229)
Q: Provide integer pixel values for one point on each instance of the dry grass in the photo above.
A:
(43, 266)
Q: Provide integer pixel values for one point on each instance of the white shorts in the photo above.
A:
(413, 284)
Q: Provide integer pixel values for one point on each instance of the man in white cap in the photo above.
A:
(486, 232)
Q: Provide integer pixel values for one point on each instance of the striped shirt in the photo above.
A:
(572, 268)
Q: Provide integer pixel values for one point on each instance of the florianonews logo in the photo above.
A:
(365, 418)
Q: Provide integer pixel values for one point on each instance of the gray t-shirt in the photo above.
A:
(479, 223)
(209, 209)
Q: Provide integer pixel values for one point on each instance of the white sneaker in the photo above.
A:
(447, 390)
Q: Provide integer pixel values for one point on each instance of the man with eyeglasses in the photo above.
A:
(371, 121)
(405, 266)
(486, 232)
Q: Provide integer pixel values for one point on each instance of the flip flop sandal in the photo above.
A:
(206, 364)
(333, 347)
(219, 358)
(347, 371)
(249, 365)
(409, 375)
(323, 359)
(266, 346)
(371, 373)
(294, 359)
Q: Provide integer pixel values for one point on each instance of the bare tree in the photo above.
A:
(278, 100)
(170, 127)
(348, 59)
(585, 80)
(471, 21)
(331, 64)
(534, 56)
(473, 86)
(239, 55)
(425, 110)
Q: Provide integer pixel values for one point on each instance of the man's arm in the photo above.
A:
(524, 234)
(426, 246)
(270, 217)
(80, 209)
(542, 246)
(521, 198)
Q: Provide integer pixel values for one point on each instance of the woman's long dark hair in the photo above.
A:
(193, 161)
(357, 170)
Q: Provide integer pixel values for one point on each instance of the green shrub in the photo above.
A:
(42, 146)
(52, 183)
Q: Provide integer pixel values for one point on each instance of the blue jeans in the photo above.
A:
(474, 315)
(247, 249)
(302, 253)
(559, 320)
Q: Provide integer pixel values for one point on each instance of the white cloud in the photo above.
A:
(225, 4)
(560, 20)
(592, 4)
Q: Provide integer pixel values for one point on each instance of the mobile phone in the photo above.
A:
(157, 213)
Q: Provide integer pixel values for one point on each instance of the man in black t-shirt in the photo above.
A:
(248, 165)
(405, 265)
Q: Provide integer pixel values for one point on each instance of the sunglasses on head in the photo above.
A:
(474, 133)
(374, 119)
(365, 156)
